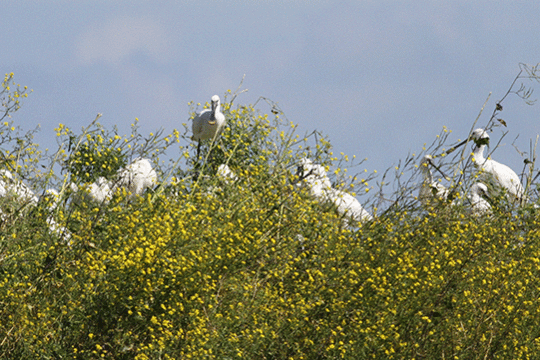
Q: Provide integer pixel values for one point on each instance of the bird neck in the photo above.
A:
(426, 173)
(478, 154)
(215, 109)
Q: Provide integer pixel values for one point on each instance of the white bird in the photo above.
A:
(136, 177)
(53, 198)
(61, 231)
(347, 205)
(9, 186)
(502, 174)
(314, 175)
(479, 205)
(225, 173)
(208, 123)
(431, 189)
(99, 191)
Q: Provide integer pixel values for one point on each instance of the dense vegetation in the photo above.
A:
(203, 267)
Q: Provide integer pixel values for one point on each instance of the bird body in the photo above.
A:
(9, 186)
(209, 122)
(430, 188)
(479, 206)
(99, 191)
(348, 205)
(225, 173)
(52, 198)
(136, 177)
(502, 174)
(315, 177)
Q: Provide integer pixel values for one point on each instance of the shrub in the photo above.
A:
(205, 267)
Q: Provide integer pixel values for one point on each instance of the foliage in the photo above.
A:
(205, 267)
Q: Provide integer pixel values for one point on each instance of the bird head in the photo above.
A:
(310, 172)
(215, 102)
(427, 160)
(480, 137)
(481, 190)
(305, 168)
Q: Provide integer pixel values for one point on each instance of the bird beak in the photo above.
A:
(484, 141)
(486, 196)
(438, 169)
(452, 149)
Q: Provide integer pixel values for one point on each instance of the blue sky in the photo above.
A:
(380, 78)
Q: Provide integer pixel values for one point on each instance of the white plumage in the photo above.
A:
(9, 186)
(100, 191)
(136, 177)
(53, 198)
(479, 206)
(348, 205)
(431, 189)
(225, 173)
(502, 174)
(315, 177)
(208, 123)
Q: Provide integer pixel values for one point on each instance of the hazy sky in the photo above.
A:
(380, 78)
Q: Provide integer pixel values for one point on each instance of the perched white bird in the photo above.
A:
(9, 186)
(100, 191)
(431, 189)
(208, 123)
(502, 174)
(348, 205)
(136, 177)
(479, 205)
(314, 176)
(61, 231)
(226, 174)
(53, 198)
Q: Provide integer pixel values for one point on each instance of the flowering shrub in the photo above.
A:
(256, 268)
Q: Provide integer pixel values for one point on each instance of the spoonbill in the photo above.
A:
(136, 177)
(208, 123)
(52, 197)
(502, 174)
(10, 186)
(99, 191)
(226, 174)
(315, 177)
(479, 205)
(430, 188)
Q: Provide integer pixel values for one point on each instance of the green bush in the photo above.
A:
(204, 267)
